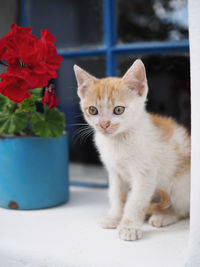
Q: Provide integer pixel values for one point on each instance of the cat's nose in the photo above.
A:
(104, 125)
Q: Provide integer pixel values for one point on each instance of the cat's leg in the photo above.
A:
(180, 203)
(161, 220)
(118, 191)
(180, 195)
(134, 211)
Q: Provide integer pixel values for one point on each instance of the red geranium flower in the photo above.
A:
(13, 87)
(2, 52)
(29, 59)
(50, 98)
(13, 41)
(49, 54)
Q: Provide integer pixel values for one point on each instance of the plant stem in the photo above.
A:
(14, 107)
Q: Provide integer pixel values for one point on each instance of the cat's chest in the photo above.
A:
(113, 152)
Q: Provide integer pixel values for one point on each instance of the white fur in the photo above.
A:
(140, 160)
(137, 158)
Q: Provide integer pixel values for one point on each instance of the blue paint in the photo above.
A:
(111, 68)
(131, 48)
(109, 20)
(101, 50)
(33, 172)
(86, 184)
(23, 21)
(152, 47)
(110, 35)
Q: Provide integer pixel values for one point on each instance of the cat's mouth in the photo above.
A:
(105, 131)
(108, 131)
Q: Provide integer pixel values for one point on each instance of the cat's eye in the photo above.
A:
(118, 110)
(92, 110)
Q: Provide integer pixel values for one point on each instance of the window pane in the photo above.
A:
(169, 84)
(9, 14)
(153, 20)
(81, 148)
(71, 22)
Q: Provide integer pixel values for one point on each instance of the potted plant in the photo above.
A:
(33, 145)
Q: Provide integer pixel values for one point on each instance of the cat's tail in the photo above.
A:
(161, 206)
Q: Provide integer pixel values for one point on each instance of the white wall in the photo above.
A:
(194, 31)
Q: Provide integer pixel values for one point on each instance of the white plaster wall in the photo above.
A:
(194, 31)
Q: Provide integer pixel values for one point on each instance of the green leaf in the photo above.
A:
(28, 104)
(4, 103)
(11, 123)
(36, 92)
(49, 124)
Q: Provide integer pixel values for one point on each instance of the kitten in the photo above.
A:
(147, 156)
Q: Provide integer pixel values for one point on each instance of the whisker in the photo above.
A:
(77, 124)
(82, 133)
(78, 116)
(80, 129)
(85, 136)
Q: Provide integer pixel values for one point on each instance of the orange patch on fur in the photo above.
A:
(184, 165)
(107, 87)
(166, 125)
(162, 206)
(114, 126)
(106, 91)
(85, 109)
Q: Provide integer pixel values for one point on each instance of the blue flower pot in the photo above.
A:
(33, 172)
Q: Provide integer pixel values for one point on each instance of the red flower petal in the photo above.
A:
(31, 62)
(47, 37)
(49, 97)
(14, 88)
(22, 30)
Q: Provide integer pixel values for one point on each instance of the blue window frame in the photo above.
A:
(111, 49)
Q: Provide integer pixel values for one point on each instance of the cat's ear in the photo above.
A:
(135, 78)
(84, 80)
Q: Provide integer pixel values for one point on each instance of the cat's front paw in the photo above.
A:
(129, 233)
(110, 222)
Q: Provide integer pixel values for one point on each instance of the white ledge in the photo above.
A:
(70, 236)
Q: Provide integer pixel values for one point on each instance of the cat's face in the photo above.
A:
(110, 104)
